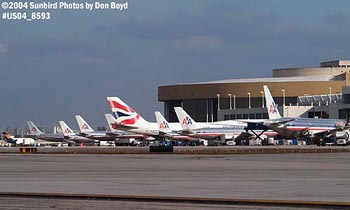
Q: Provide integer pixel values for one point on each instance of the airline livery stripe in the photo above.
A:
(114, 104)
(310, 128)
(130, 121)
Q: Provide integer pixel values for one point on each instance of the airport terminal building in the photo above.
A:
(322, 92)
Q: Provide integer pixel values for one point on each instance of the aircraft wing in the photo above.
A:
(82, 134)
(179, 136)
(277, 123)
(332, 131)
(186, 132)
(266, 124)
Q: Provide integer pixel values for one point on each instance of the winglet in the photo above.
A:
(187, 123)
(271, 105)
(163, 124)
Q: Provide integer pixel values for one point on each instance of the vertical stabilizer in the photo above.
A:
(83, 125)
(111, 120)
(163, 124)
(65, 129)
(125, 114)
(33, 130)
(186, 122)
(7, 136)
(271, 105)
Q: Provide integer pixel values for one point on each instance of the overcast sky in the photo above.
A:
(52, 70)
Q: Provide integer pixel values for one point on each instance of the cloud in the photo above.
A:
(335, 19)
(129, 54)
(200, 42)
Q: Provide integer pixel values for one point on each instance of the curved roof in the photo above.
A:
(276, 79)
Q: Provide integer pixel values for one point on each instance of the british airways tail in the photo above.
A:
(271, 105)
(67, 131)
(163, 124)
(33, 130)
(125, 114)
(111, 120)
(83, 125)
(186, 122)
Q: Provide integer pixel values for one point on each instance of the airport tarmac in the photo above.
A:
(75, 204)
(309, 177)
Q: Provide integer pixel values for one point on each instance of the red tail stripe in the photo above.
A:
(130, 121)
(114, 104)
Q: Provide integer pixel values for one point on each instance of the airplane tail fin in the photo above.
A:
(7, 136)
(33, 129)
(187, 123)
(163, 124)
(111, 120)
(67, 131)
(125, 114)
(83, 125)
(271, 105)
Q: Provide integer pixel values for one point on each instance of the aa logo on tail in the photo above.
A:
(84, 126)
(187, 121)
(33, 129)
(273, 108)
(163, 125)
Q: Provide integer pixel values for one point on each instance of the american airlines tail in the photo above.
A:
(67, 131)
(83, 125)
(33, 130)
(271, 105)
(163, 124)
(111, 120)
(125, 114)
(186, 122)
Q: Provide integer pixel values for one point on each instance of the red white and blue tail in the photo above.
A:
(124, 114)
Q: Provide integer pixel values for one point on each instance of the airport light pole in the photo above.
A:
(262, 99)
(249, 100)
(218, 95)
(330, 95)
(234, 101)
(230, 95)
(284, 97)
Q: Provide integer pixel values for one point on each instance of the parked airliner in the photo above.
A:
(36, 133)
(129, 120)
(88, 132)
(72, 136)
(12, 140)
(216, 130)
(298, 127)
